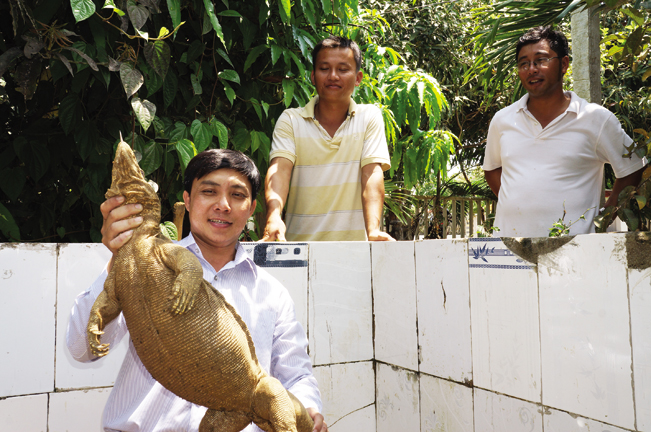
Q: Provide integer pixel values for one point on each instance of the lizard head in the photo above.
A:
(129, 181)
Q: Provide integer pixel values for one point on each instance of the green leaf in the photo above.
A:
(230, 93)
(186, 151)
(170, 87)
(8, 225)
(179, 132)
(82, 9)
(288, 91)
(276, 52)
(70, 112)
(327, 7)
(138, 14)
(230, 13)
(223, 55)
(202, 134)
(144, 110)
(12, 181)
(210, 10)
(174, 8)
(152, 157)
(169, 231)
(86, 137)
(253, 55)
(256, 107)
(631, 219)
(285, 9)
(195, 49)
(35, 155)
(641, 201)
(229, 74)
(196, 84)
(131, 78)
(220, 131)
(157, 54)
(260, 141)
(242, 140)
(110, 4)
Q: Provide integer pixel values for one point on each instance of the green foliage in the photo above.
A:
(168, 230)
(174, 78)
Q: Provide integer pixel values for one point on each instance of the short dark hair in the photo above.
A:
(211, 160)
(339, 42)
(556, 39)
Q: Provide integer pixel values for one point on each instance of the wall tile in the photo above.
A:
(444, 309)
(639, 282)
(499, 413)
(28, 289)
(504, 317)
(585, 338)
(445, 406)
(77, 411)
(394, 303)
(558, 421)
(24, 414)
(287, 263)
(397, 399)
(340, 304)
(348, 396)
(79, 266)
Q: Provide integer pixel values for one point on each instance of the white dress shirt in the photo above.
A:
(138, 403)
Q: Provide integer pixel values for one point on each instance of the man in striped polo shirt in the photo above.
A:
(334, 151)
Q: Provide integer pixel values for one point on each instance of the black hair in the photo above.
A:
(211, 160)
(339, 42)
(557, 40)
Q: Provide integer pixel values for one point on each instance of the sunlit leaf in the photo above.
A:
(229, 74)
(131, 78)
(157, 54)
(210, 10)
(202, 134)
(144, 110)
(220, 131)
(186, 151)
(82, 9)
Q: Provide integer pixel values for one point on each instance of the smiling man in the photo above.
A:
(545, 154)
(220, 189)
(328, 158)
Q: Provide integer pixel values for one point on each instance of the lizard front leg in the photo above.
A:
(104, 311)
(189, 275)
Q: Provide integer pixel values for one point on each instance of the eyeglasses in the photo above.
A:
(541, 62)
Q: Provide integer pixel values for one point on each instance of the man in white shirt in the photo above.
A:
(220, 189)
(545, 154)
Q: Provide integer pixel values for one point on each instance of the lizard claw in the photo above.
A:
(184, 292)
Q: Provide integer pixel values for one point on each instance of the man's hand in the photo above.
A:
(380, 236)
(118, 224)
(274, 230)
(319, 423)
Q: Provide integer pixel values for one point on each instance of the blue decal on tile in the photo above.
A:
(501, 266)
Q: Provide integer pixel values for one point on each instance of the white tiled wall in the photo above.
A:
(454, 336)
(505, 327)
(394, 303)
(27, 312)
(585, 334)
(341, 310)
(444, 309)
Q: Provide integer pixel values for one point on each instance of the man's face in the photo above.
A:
(542, 81)
(219, 204)
(335, 76)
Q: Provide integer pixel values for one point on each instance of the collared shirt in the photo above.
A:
(559, 168)
(325, 194)
(138, 403)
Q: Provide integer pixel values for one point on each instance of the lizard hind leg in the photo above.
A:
(104, 311)
(272, 403)
(223, 421)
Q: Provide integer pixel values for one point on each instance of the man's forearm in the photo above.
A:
(621, 183)
(494, 180)
(373, 201)
(275, 194)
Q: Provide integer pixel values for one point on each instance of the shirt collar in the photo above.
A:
(241, 257)
(308, 111)
(575, 102)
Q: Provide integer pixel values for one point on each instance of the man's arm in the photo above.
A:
(373, 201)
(494, 180)
(620, 183)
(275, 194)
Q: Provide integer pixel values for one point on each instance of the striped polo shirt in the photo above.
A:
(325, 193)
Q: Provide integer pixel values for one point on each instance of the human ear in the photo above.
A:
(186, 200)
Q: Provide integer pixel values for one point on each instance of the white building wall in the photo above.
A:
(438, 335)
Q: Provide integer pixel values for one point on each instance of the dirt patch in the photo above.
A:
(529, 249)
(638, 250)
